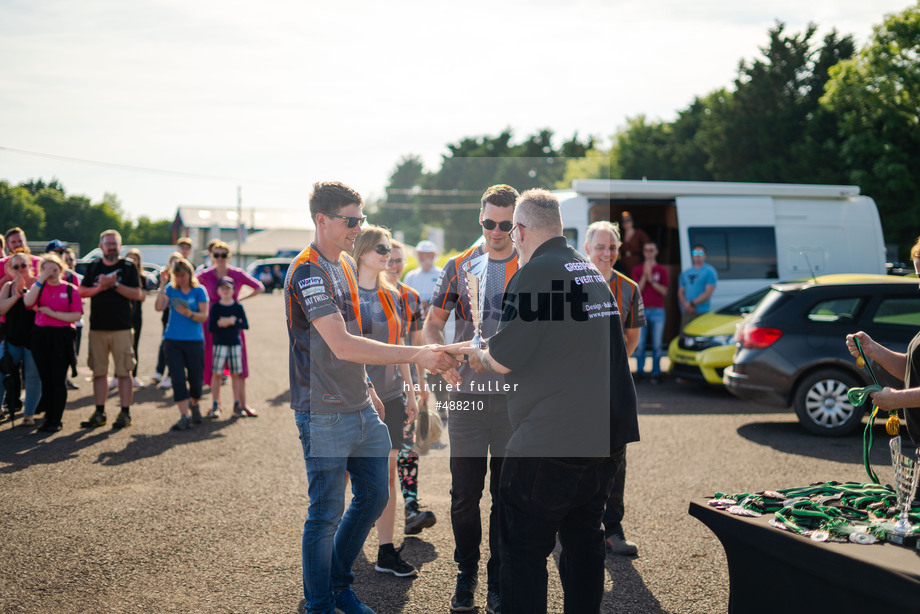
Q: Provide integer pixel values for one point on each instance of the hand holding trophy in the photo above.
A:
(475, 274)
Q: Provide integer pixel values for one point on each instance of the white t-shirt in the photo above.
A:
(423, 282)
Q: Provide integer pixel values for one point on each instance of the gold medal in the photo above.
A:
(893, 425)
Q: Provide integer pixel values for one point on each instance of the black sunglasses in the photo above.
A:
(351, 222)
(16, 267)
(382, 249)
(220, 255)
(505, 226)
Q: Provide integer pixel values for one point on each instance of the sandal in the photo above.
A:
(27, 421)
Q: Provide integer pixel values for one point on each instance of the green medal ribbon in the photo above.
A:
(857, 397)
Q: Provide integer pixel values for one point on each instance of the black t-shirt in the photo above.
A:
(912, 380)
(20, 321)
(110, 310)
(571, 391)
(228, 335)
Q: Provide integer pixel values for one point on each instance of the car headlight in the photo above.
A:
(700, 343)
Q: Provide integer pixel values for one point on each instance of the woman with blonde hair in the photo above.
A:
(58, 307)
(187, 303)
(159, 376)
(16, 349)
(381, 320)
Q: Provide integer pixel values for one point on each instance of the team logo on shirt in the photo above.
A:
(307, 292)
(310, 281)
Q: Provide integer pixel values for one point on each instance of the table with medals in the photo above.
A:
(773, 571)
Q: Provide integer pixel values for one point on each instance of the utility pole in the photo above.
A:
(239, 226)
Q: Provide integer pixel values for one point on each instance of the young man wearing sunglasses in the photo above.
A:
(340, 431)
(478, 409)
(696, 286)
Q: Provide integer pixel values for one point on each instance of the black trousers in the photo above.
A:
(478, 425)
(53, 350)
(616, 506)
(542, 498)
(185, 360)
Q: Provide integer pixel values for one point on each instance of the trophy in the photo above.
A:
(475, 274)
(906, 477)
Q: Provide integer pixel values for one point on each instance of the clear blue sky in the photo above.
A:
(275, 95)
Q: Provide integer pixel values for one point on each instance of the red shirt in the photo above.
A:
(650, 296)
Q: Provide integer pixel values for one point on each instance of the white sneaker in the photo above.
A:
(157, 377)
(113, 383)
(138, 383)
(165, 383)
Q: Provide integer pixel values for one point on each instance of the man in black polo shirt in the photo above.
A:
(111, 283)
(572, 407)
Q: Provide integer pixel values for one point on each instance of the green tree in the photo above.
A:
(18, 208)
(769, 128)
(874, 97)
(764, 131)
(595, 164)
(449, 197)
(149, 232)
(45, 211)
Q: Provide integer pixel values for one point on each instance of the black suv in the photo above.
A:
(792, 348)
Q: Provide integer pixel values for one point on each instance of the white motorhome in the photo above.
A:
(754, 233)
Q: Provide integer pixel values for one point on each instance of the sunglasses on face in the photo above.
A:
(697, 252)
(351, 222)
(17, 267)
(505, 226)
(382, 249)
(220, 255)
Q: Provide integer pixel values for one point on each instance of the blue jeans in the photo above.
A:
(654, 320)
(33, 383)
(357, 443)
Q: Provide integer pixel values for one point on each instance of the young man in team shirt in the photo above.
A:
(478, 411)
(340, 431)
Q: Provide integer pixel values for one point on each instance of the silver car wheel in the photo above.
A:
(826, 403)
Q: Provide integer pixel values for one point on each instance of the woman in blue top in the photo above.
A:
(187, 302)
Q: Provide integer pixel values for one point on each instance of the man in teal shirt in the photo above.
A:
(696, 286)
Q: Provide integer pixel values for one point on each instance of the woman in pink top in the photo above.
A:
(58, 306)
(209, 279)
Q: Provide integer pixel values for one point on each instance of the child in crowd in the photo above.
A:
(226, 320)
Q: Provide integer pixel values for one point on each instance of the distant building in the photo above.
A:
(265, 232)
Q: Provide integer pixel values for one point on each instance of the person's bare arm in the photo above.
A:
(433, 330)
(632, 339)
(481, 360)
(893, 362)
(349, 347)
(702, 298)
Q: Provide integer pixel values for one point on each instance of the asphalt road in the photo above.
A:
(210, 519)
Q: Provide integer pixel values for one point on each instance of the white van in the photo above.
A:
(754, 233)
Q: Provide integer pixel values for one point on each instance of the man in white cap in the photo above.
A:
(424, 278)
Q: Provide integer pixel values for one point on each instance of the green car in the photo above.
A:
(707, 345)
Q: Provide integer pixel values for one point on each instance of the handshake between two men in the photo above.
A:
(444, 360)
